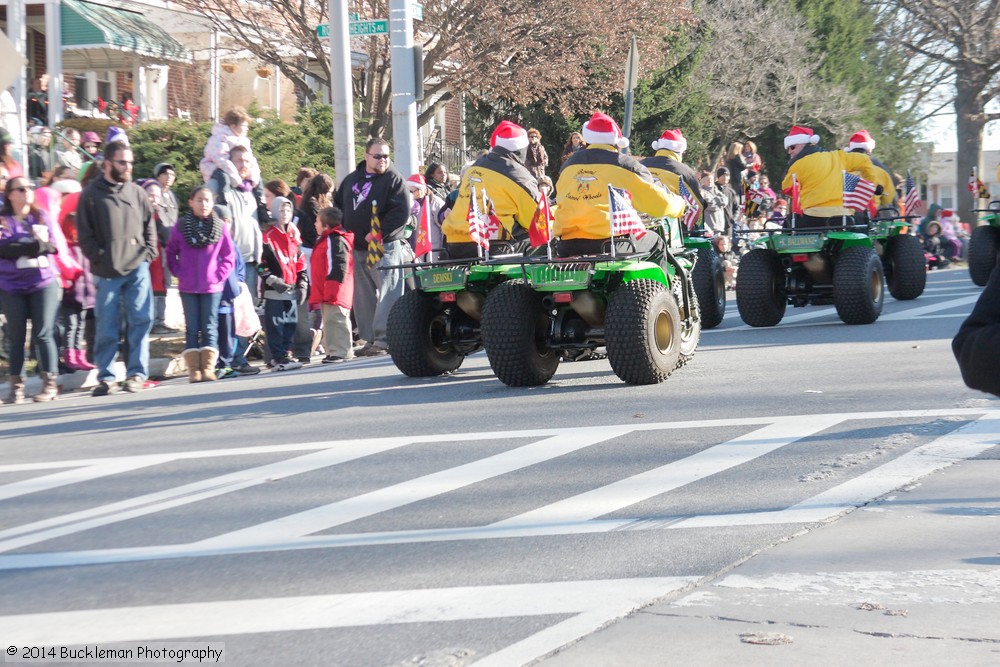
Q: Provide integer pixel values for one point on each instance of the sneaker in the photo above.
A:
(289, 364)
(223, 373)
(246, 369)
(372, 350)
(104, 389)
(163, 329)
(305, 360)
(331, 359)
(134, 384)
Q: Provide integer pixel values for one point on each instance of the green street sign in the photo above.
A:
(323, 30)
(376, 27)
(418, 11)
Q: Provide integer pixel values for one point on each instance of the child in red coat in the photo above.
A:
(332, 269)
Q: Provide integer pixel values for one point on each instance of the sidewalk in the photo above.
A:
(912, 579)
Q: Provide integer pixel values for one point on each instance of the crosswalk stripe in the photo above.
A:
(635, 489)
(391, 497)
(962, 443)
(606, 599)
(921, 311)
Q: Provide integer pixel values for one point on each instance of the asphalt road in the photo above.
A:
(348, 515)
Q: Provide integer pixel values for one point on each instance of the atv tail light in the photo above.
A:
(448, 297)
(800, 258)
(562, 297)
(904, 230)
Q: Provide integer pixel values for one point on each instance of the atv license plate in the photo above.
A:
(554, 276)
(442, 279)
(798, 242)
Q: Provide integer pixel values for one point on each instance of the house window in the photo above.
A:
(947, 196)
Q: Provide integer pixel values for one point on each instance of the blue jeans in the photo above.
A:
(279, 325)
(128, 297)
(40, 307)
(201, 320)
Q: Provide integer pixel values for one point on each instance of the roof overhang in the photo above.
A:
(99, 37)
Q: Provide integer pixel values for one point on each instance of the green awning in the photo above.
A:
(101, 37)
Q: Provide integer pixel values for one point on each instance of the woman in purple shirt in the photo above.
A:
(28, 286)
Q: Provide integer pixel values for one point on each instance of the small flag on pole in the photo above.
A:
(796, 196)
(973, 182)
(857, 192)
(541, 223)
(423, 244)
(477, 227)
(692, 210)
(624, 218)
(912, 201)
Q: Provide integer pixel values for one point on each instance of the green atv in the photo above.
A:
(845, 264)
(709, 278)
(984, 244)
(640, 306)
(432, 328)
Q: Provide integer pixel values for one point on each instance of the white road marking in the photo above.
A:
(914, 313)
(635, 489)
(598, 601)
(963, 443)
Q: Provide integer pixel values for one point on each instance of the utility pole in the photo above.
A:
(404, 103)
(341, 94)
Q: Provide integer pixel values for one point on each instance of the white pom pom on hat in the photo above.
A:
(671, 140)
(801, 135)
(601, 129)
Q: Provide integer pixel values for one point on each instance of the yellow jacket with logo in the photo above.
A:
(582, 192)
(667, 168)
(821, 178)
(508, 184)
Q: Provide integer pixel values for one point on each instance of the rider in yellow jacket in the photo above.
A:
(820, 176)
(508, 185)
(862, 142)
(667, 167)
(582, 220)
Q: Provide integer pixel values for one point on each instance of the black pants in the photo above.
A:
(649, 242)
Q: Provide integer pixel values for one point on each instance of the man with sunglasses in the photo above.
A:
(820, 177)
(117, 233)
(375, 190)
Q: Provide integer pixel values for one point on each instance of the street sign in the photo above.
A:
(323, 30)
(376, 27)
(418, 11)
(632, 67)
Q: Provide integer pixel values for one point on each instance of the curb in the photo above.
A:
(160, 367)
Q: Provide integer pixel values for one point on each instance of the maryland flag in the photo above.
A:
(375, 249)
(423, 244)
(541, 224)
(977, 187)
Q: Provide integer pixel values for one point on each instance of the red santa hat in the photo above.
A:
(801, 135)
(947, 214)
(601, 129)
(861, 139)
(671, 140)
(509, 135)
(416, 181)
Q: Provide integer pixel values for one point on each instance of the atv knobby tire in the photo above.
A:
(982, 254)
(760, 289)
(905, 268)
(858, 285)
(515, 332)
(643, 332)
(415, 332)
(709, 278)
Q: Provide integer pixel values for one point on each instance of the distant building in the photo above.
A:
(942, 179)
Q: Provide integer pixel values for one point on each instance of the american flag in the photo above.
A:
(693, 210)
(857, 192)
(912, 201)
(477, 223)
(624, 218)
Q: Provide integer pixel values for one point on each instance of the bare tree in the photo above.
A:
(962, 38)
(761, 71)
(570, 53)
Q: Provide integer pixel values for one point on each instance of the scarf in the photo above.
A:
(201, 232)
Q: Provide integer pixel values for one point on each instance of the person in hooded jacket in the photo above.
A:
(977, 344)
(820, 177)
(505, 185)
(376, 208)
(582, 215)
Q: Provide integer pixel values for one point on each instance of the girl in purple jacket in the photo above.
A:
(201, 254)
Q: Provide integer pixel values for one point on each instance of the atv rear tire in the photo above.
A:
(858, 285)
(709, 278)
(515, 330)
(905, 268)
(643, 332)
(416, 332)
(982, 254)
(760, 289)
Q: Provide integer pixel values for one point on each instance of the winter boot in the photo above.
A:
(50, 389)
(192, 359)
(16, 395)
(209, 355)
(81, 361)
